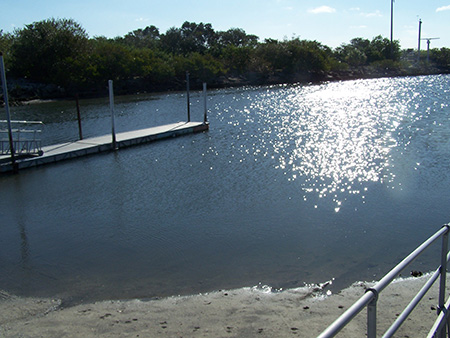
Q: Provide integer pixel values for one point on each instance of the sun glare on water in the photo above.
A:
(336, 136)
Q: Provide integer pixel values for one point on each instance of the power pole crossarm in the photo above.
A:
(428, 46)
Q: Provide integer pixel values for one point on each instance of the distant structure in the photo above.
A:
(428, 46)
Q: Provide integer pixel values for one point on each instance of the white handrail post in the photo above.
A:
(111, 107)
(443, 273)
(205, 117)
(372, 317)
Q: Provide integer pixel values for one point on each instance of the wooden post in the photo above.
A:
(111, 107)
(205, 117)
(80, 131)
(8, 116)
(188, 99)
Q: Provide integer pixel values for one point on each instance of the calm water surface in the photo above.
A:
(291, 185)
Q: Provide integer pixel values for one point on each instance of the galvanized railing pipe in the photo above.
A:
(411, 306)
(348, 315)
(439, 324)
(372, 316)
(443, 269)
(22, 122)
(391, 275)
(24, 140)
(371, 295)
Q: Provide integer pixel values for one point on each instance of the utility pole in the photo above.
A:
(418, 48)
(392, 29)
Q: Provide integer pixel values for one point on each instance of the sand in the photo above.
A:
(246, 312)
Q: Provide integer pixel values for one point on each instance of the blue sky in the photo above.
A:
(330, 22)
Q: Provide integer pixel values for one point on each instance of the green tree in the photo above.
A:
(6, 41)
(363, 51)
(352, 55)
(50, 51)
(109, 60)
(236, 37)
(190, 38)
(148, 37)
(237, 59)
(294, 56)
(307, 55)
(441, 57)
(202, 68)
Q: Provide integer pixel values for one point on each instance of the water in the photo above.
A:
(291, 185)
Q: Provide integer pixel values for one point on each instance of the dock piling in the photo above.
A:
(111, 106)
(205, 117)
(188, 99)
(80, 131)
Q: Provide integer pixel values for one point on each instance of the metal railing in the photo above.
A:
(25, 138)
(370, 298)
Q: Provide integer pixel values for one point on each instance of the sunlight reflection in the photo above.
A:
(336, 136)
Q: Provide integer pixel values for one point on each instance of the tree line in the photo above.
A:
(60, 52)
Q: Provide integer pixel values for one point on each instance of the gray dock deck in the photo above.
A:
(69, 150)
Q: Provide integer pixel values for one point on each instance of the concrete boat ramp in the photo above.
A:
(65, 151)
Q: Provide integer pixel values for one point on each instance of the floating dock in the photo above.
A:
(69, 150)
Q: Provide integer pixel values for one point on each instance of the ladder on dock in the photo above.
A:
(25, 137)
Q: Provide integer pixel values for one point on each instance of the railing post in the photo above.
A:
(372, 315)
(443, 277)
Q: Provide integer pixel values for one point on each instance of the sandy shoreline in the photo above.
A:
(246, 312)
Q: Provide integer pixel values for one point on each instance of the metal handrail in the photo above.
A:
(21, 131)
(22, 122)
(370, 298)
(23, 141)
(439, 324)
